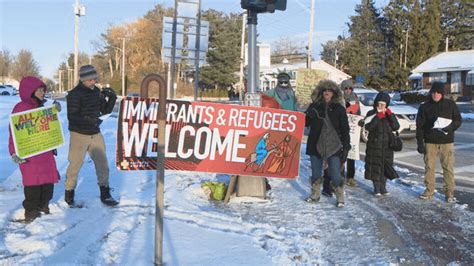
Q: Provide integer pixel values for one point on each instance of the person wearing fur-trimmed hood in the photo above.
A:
(328, 138)
(380, 122)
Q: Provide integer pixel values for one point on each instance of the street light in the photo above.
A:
(79, 11)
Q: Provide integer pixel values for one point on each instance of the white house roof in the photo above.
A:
(447, 61)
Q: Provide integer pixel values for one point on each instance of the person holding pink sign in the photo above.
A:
(39, 172)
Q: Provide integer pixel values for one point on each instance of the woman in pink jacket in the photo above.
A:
(39, 172)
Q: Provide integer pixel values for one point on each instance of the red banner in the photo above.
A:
(210, 137)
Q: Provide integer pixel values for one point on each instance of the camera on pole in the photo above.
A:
(263, 6)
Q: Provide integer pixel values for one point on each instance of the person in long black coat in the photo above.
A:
(380, 122)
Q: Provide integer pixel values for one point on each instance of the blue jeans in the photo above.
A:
(334, 169)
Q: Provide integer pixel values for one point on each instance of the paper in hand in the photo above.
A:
(442, 122)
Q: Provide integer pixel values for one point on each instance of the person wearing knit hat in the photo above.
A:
(88, 72)
(436, 121)
(86, 103)
(380, 122)
(328, 138)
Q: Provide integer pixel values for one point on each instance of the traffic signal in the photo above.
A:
(263, 6)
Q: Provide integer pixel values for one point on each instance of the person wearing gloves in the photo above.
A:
(39, 172)
(380, 122)
(283, 93)
(352, 107)
(85, 104)
(328, 138)
(436, 121)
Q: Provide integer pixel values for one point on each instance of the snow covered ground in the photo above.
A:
(282, 230)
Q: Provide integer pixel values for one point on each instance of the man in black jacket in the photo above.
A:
(86, 103)
(436, 122)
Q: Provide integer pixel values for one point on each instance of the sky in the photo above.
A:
(46, 27)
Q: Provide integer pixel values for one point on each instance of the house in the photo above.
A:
(455, 68)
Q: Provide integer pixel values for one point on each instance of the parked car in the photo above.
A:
(7, 90)
(406, 114)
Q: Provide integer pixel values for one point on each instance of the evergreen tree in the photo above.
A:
(417, 45)
(332, 50)
(364, 53)
(431, 21)
(223, 56)
(457, 22)
(397, 30)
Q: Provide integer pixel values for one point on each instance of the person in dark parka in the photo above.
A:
(379, 122)
(328, 138)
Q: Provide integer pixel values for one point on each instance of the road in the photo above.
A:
(463, 169)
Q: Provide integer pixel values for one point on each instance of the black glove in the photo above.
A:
(55, 152)
(420, 148)
(311, 113)
(58, 105)
(108, 92)
(344, 154)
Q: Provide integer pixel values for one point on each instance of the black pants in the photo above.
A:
(37, 197)
(350, 168)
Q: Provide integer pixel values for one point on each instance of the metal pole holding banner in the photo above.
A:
(160, 159)
(247, 185)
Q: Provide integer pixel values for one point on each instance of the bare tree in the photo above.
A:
(6, 61)
(24, 65)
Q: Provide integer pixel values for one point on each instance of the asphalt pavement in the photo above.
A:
(410, 159)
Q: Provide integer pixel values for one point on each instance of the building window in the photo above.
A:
(470, 79)
(438, 76)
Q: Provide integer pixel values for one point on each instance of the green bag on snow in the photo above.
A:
(217, 190)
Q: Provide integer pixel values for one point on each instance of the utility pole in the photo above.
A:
(198, 48)
(406, 49)
(78, 12)
(310, 36)
(242, 54)
(335, 56)
(173, 51)
(447, 44)
(60, 84)
(401, 54)
(123, 66)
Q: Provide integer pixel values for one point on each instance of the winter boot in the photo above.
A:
(69, 197)
(339, 191)
(351, 182)
(383, 188)
(450, 197)
(105, 196)
(426, 195)
(327, 188)
(377, 191)
(30, 216)
(315, 191)
(44, 209)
